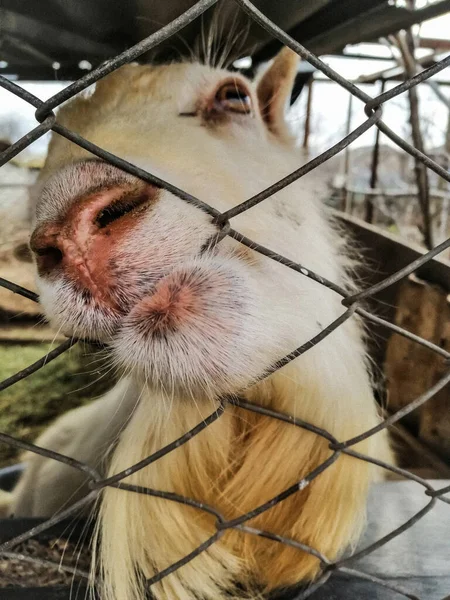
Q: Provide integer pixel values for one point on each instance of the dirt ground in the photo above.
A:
(69, 561)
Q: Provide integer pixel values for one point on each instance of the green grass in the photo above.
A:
(28, 406)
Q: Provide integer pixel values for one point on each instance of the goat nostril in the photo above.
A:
(121, 207)
(48, 258)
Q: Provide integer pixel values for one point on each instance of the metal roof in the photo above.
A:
(38, 35)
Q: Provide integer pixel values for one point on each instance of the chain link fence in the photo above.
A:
(373, 108)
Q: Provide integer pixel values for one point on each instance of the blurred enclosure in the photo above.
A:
(394, 207)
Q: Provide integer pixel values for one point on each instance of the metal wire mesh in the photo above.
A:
(373, 109)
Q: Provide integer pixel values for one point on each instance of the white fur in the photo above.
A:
(253, 313)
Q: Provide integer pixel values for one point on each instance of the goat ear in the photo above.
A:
(274, 90)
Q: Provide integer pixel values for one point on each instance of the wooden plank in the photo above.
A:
(434, 427)
(410, 368)
(373, 25)
(381, 254)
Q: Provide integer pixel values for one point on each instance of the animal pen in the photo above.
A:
(315, 23)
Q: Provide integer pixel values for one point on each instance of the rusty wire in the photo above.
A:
(47, 121)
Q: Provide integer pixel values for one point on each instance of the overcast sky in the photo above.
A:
(329, 110)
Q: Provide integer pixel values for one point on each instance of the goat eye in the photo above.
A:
(234, 97)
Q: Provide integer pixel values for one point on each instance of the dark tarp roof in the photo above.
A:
(35, 34)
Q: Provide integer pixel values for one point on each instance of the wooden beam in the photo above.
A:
(434, 44)
(371, 25)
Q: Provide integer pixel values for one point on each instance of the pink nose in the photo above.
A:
(81, 243)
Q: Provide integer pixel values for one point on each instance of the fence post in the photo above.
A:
(374, 168)
(308, 115)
